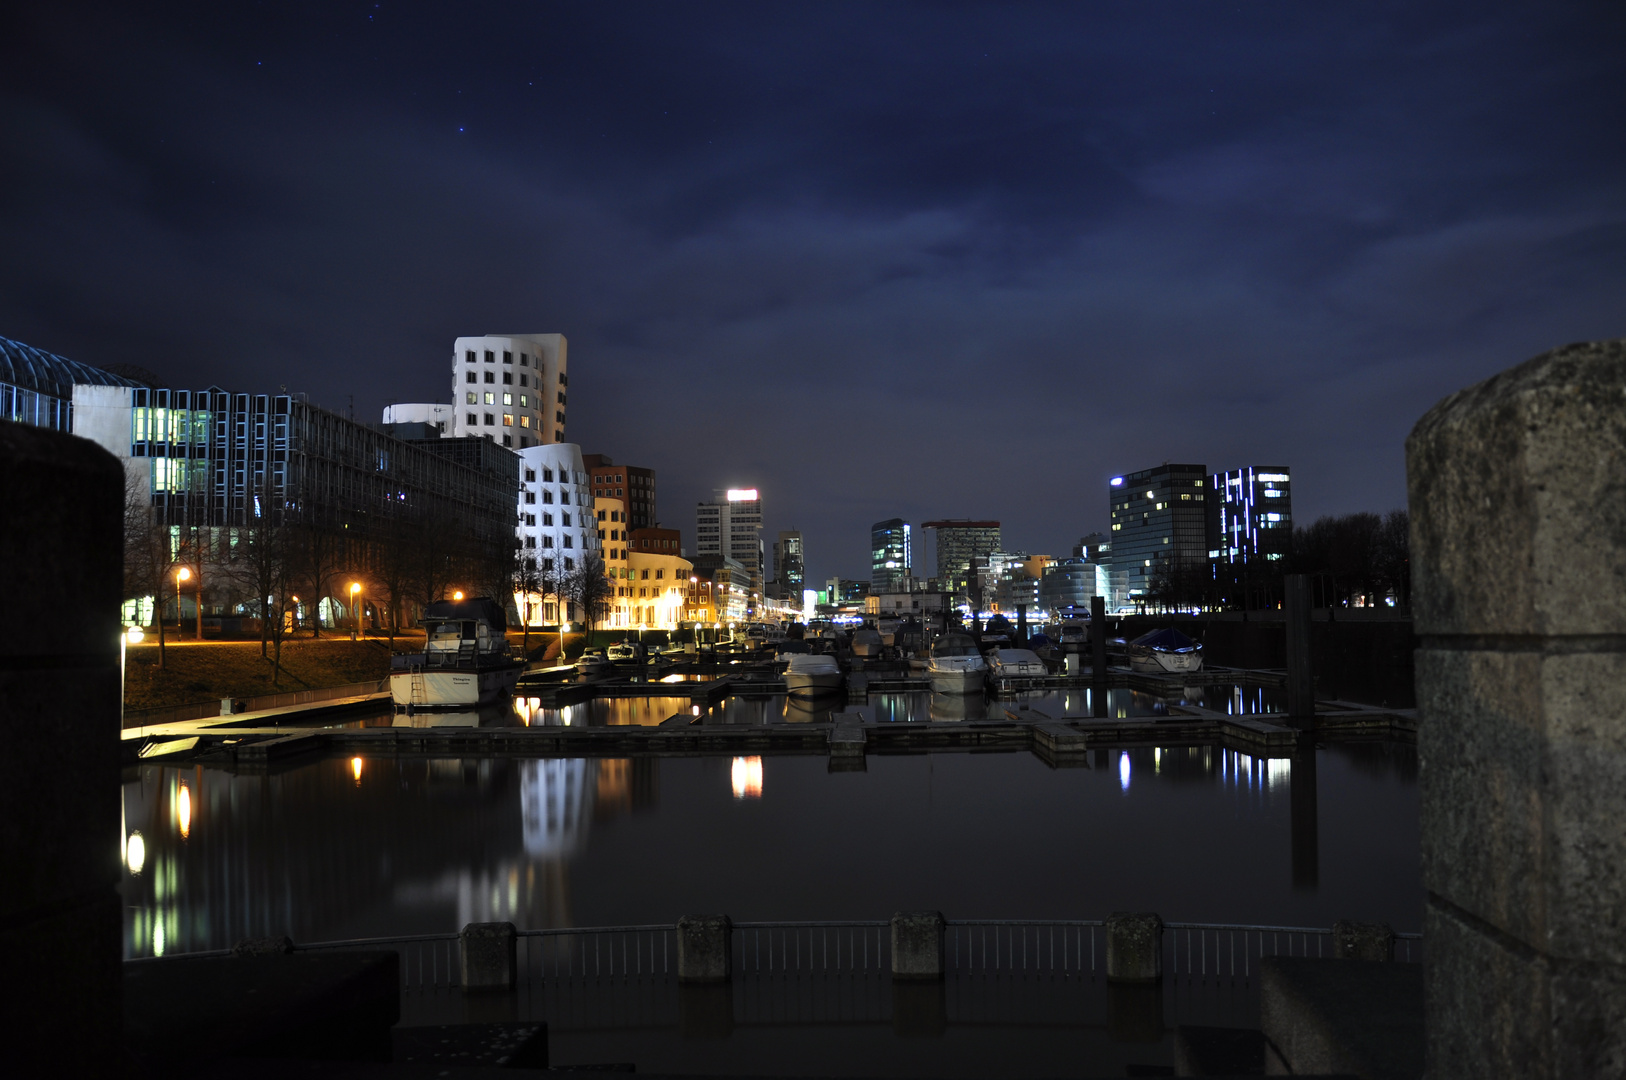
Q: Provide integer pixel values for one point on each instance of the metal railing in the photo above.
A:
(1005, 971)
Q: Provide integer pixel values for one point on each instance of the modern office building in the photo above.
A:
(959, 542)
(890, 556)
(213, 463)
(789, 568)
(1159, 523)
(36, 387)
(633, 485)
(1250, 514)
(510, 388)
(720, 590)
(731, 525)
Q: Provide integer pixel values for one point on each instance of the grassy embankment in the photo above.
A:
(213, 670)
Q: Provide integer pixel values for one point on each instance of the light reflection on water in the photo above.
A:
(356, 847)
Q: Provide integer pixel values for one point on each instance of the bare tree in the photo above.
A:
(589, 586)
(263, 556)
(316, 554)
(146, 554)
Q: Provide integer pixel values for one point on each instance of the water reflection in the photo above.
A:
(419, 846)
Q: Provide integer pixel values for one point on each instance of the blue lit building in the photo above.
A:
(36, 387)
(890, 560)
(1159, 524)
(1250, 514)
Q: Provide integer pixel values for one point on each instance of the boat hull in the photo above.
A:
(812, 684)
(1153, 662)
(958, 681)
(445, 688)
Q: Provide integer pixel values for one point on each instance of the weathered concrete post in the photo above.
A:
(705, 948)
(61, 539)
(1098, 654)
(1304, 807)
(1300, 680)
(1517, 489)
(488, 956)
(1362, 941)
(917, 945)
(1134, 947)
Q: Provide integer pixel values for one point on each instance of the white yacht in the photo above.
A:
(808, 674)
(1165, 651)
(1015, 669)
(956, 667)
(465, 661)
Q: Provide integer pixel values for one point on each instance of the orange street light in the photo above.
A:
(355, 615)
(457, 595)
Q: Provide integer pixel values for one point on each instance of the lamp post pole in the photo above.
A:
(355, 613)
(181, 575)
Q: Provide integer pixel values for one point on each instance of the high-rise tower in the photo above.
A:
(510, 388)
(731, 525)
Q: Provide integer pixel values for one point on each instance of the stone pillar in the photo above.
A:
(1300, 679)
(705, 948)
(1098, 655)
(1134, 947)
(488, 951)
(61, 539)
(917, 945)
(1517, 489)
(1362, 941)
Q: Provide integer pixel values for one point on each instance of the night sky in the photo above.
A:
(917, 260)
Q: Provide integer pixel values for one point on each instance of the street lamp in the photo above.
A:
(185, 574)
(355, 616)
(457, 595)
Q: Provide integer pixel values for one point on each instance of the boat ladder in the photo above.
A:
(420, 692)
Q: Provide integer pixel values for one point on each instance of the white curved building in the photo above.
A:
(510, 388)
(557, 526)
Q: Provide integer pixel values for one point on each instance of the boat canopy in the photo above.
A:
(1167, 639)
(480, 609)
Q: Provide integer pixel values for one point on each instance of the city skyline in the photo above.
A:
(1105, 238)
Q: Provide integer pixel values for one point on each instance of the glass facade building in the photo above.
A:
(1250, 514)
(890, 557)
(960, 542)
(1159, 523)
(36, 387)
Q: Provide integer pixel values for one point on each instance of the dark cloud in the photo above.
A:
(917, 260)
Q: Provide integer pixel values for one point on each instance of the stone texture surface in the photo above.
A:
(917, 945)
(1518, 505)
(61, 538)
(705, 948)
(488, 956)
(1134, 947)
(1517, 489)
(1509, 1010)
(1362, 941)
(1344, 1016)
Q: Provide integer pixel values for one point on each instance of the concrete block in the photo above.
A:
(705, 1010)
(1362, 941)
(705, 948)
(1134, 947)
(917, 945)
(1538, 453)
(846, 740)
(315, 1006)
(1344, 1016)
(487, 953)
(1496, 1007)
(61, 548)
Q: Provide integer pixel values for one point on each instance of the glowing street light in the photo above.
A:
(457, 595)
(355, 615)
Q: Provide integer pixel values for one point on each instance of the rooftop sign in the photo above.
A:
(742, 494)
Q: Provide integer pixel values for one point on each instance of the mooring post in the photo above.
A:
(1098, 653)
(1300, 682)
(1362, 941)
(1518, 556)
(488, 956)
(705, 948)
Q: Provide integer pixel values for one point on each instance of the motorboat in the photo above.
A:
(594, 665)
(465, 661)
(1074, 635)
(888, 629)
(1015, 669)
(955, 666)
(997, 633)
(1165, 651)
(867, 642)
(623, 651)
(809, 674)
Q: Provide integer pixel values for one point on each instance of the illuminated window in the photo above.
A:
(508, 399)
(491, 399)
(507, 419)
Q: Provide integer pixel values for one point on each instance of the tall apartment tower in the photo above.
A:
(789, 570)
(1250, 514)
(960, 541)
(635, 487)
(731, 525)
(1159, 523)
(890, 558)
(510, 388)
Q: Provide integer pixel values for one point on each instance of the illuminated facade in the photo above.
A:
(731, 526)
(557, 524)
(960, 542)
(36, 387)
(510, 388)
(1250, 514)
(1159, 523)
(890, 556)
(726, 584)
